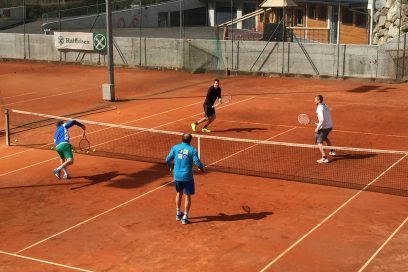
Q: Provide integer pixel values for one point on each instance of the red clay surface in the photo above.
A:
(118, 215)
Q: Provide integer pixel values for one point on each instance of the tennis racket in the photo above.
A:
(226, 98)
(304, 119)
(84, 144)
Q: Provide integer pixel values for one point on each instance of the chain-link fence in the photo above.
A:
(335, 38)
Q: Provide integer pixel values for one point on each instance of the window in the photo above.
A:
(361, 19)
(347, 17)
(298, 17)
(311, 11)
(322, 15)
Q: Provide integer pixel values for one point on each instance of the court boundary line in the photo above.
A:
(96, 216)
(28, 166)
(54, 95)
(251, 146)
(18, 95)
(338, 130)
(135, 120)
(54, 158)
(328, 217)
(122, 204)
(44, 261)
(383, 245)
(89, 219)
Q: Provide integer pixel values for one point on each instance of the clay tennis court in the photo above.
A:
(119, 215)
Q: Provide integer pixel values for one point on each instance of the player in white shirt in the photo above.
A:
(323, 127)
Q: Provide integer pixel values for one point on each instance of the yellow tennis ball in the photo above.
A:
(94, 150)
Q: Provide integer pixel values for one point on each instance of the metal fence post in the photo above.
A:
(7, 126)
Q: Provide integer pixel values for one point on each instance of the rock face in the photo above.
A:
(390, 20)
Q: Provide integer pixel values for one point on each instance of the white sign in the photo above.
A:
(74, 40)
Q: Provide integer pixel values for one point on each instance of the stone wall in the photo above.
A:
(389, 18)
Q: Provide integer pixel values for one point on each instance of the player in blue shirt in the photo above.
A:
(63, 147)
(184, 155)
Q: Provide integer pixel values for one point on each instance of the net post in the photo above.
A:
(7, 126)
(199, 146)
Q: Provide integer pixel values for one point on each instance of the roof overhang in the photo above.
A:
(277, 3)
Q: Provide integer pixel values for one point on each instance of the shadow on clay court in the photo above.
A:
(249, 129)
(367, 88)
(127, 181)
(230, 217)
(352, 157)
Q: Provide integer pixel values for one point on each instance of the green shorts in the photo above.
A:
(64, 151)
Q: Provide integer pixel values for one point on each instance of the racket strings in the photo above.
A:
(84, 143)
(304, 119)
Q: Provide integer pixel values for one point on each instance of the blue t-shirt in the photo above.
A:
(183, 155)
(61, 135)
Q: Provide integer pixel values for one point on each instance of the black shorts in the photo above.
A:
(322, 134)
(208, 110)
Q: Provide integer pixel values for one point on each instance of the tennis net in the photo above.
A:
(383, 171)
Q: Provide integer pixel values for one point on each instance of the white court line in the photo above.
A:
(96, 216)
(17, 170)
(28, 166)
(383, 245)
(251, 146)
(43, 261)
(329, 216)
(48, 96)
(228, 105)
(128, 122)
(13, 96)
(178, 120)
(347, 131)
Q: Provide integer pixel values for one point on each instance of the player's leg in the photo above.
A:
(55, 171)
(210, 113)
(65, 152)
(179, 196)
(319, 141)
(329, 143)
(202, 120)
(189, 189)
(65, 170)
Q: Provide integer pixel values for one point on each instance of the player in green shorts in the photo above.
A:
(63, 147)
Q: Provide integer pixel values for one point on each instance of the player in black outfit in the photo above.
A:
(213, 93)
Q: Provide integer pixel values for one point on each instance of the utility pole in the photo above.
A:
(108, 90)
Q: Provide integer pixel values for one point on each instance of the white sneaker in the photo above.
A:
(332, 153)
(323, 160)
